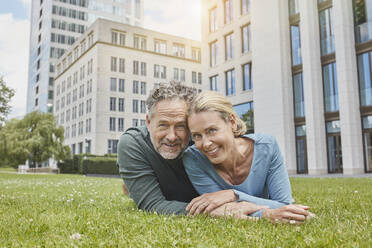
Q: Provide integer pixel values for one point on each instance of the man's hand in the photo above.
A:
(293, 214)
(238, 210)
(207, 202)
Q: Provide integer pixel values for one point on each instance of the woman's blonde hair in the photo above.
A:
(214, 101)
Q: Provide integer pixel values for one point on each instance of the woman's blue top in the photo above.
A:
(267, 183)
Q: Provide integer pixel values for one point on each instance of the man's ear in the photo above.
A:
(147, 120)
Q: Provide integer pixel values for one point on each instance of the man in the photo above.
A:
(150, 161)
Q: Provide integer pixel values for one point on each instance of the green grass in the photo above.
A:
(45, 210)
(7, 169)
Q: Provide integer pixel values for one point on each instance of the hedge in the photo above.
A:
(100, 165)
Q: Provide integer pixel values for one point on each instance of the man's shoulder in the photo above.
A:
(134, 133)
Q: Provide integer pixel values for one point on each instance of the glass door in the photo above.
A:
(334, 147)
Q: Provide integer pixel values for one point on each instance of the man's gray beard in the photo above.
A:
(165, 155)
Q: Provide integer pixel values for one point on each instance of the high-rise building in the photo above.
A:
(104, 79)
(55, 25)
(306, 66)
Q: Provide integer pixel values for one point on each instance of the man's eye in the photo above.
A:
(181, 127)
(212, 130)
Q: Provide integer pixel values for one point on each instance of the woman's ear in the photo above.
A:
(233, 123)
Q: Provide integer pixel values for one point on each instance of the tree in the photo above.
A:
(248, 118)
(36, 137)
(6, 95)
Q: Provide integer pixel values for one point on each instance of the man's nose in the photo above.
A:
(171, 135)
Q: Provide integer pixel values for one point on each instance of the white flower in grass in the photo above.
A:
(75, 236)
(356, 191)
(188, 229)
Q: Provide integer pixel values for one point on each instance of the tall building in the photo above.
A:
(306, 66)
(103, 81)
(55, 25)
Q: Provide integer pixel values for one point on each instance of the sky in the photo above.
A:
(177, 17)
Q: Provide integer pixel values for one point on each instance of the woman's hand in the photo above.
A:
(238, 210)
(209, 201)
(293, 214)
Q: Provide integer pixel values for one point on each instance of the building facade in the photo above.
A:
(305, 66)
(103, 81)
(55, 25)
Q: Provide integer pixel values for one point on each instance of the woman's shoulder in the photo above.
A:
(192, 152)
(261, 138)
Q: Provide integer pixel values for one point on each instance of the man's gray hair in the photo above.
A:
(169, 91)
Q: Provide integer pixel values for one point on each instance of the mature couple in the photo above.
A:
(235, 174)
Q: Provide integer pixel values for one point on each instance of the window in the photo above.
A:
(199, 78)
(246, 34)
(193, 77)
(175, 73)
(247, 76)
(195, 53)
(182, 77)
(163, 72)
(298, 91)
(120, 124)
(143, 122)
(112, 123)
(330, 88)
(296, 45)
(135, 87)
(143, 88)
(135, 106)
(121, 104)
(293, 7)
(139, 42)
(143, 107)
(143, 68)
(113, 84)
(365, 76)
(228, 11)
(327, 38)
(135, 67)
(160, 46)
(112, 146)
(156, 71)
(112, 103)
(213, 53)
(134, 122)
(113, 63)
(229, 46)
(179, 50)
(230, 82)
(121, 65)
(121, 85)
(246, 6)
(213, 83)
(213, 19)
(122, 39)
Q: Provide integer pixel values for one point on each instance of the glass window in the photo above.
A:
(134, 122)
(333, 126)
(193, 77)
(121, 65)
(213, 53)
(247, 78)
(246, 6)
(175, 73)
(327, 39)
(230, 82)
(143, 107)
(293, 7)
(330, 88)
(179, 50)
(365, 82)
(213, 20)
(228, 11)
(160, 46)
(112, 123)
(296, 45)
(143, 68)
(113, 84)
(143, 88)
(213, 83)
(135, 67)
(112, 103)
(121, 85)
(113, 64)
(135, 87)
(246, 34)
(182, 76)
(121, 104)
(135, 106)
(229, 46)
(298, 91)
(120, 124)
(245, 112)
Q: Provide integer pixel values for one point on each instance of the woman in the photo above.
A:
(224, 158)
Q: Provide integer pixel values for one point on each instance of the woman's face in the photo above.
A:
(212, 135)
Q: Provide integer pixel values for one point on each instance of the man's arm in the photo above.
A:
(141, 181)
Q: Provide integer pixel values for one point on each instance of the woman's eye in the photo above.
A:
(196, 137)
(212, 130)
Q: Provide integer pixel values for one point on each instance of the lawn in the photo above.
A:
(71, 210)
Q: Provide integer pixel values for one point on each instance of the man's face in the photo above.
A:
(167, 128)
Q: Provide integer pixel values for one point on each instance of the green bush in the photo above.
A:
(67, 166)
(100, 165)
